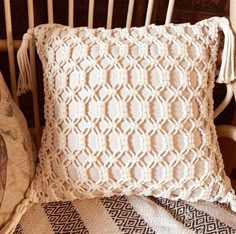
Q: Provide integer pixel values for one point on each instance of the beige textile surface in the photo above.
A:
(117, 215)
(20, 153)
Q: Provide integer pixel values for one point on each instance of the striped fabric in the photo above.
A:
(132, 214)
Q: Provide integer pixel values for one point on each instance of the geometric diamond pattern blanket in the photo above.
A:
(127, 214)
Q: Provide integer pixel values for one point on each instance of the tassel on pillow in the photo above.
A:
(25, 77)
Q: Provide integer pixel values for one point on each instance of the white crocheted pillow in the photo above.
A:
(130, 111)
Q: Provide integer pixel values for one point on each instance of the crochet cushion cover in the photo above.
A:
(130, 111)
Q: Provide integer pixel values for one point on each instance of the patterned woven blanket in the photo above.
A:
(127, 215)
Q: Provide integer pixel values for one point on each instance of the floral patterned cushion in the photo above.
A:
(17, 154)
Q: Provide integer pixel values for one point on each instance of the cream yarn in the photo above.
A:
(130, 111)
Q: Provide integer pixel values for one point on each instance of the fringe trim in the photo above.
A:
(31, 198)
(25, 77)
(227, 73)
(10, 227)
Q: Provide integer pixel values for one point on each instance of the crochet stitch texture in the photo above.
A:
(130, 111)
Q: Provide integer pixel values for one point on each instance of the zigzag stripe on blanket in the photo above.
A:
(125, 217)
(197, 220)
(64, 218)
(119, 215)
